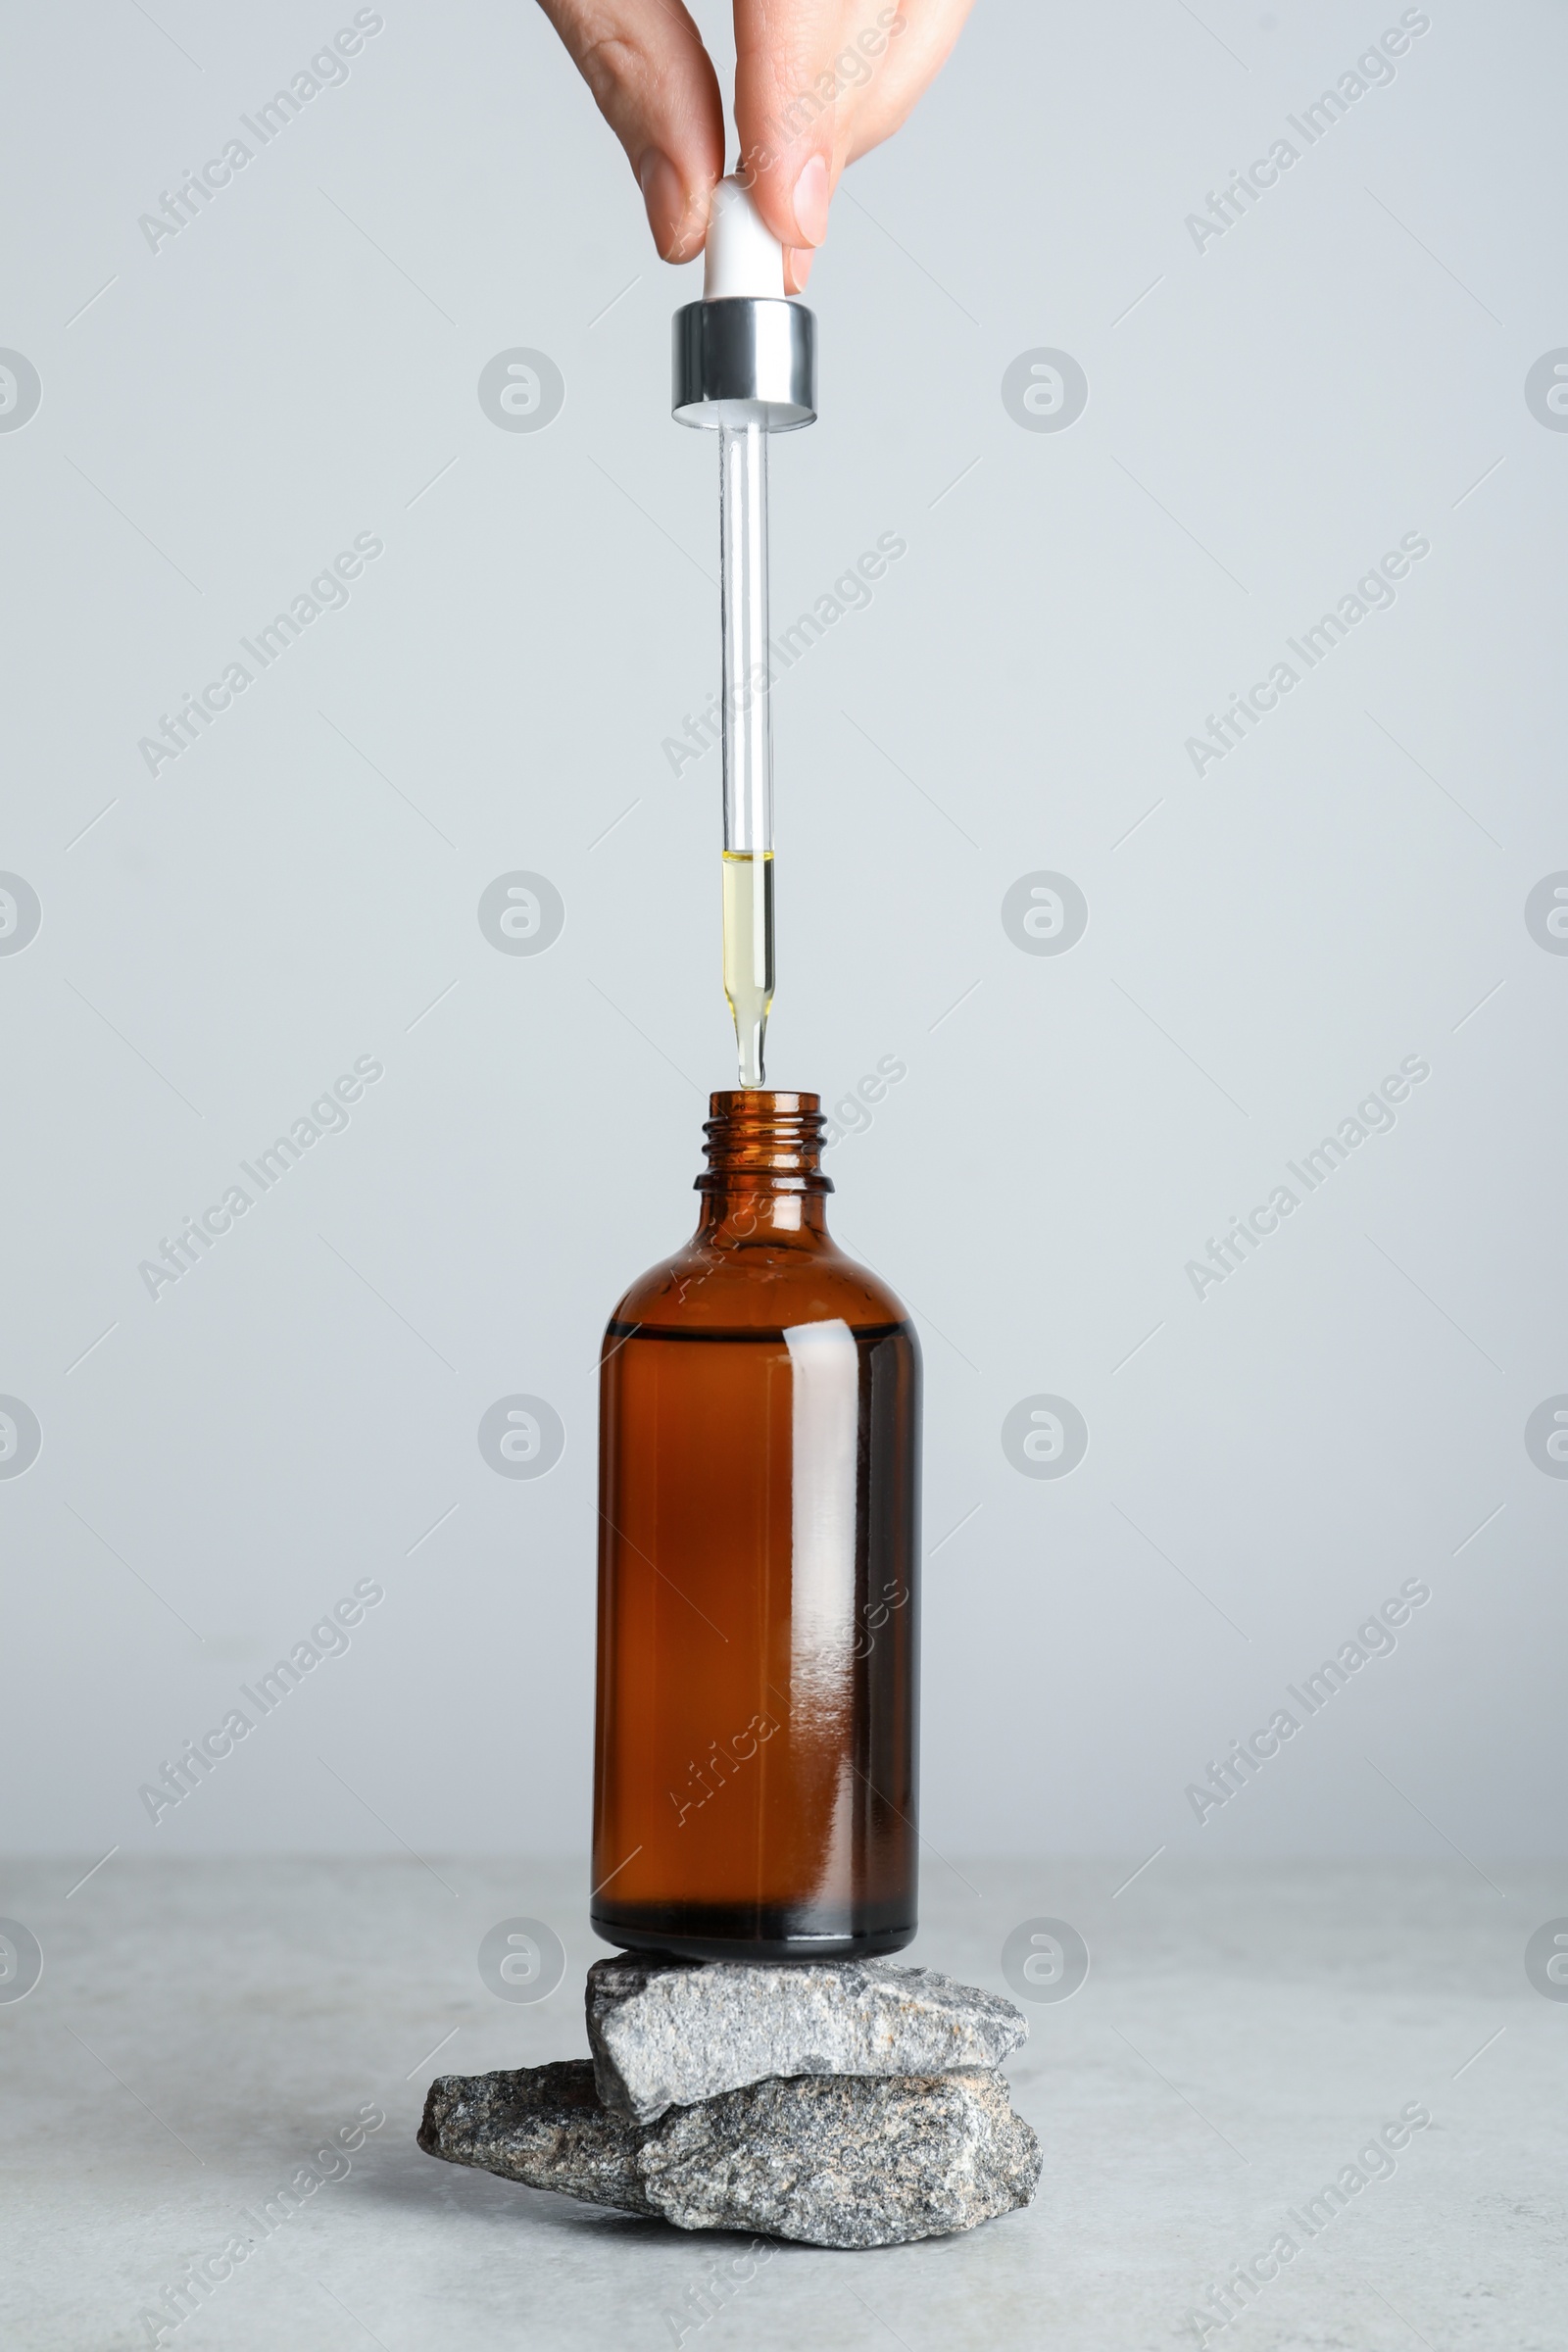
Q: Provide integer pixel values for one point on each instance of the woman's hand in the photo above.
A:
(818, 82)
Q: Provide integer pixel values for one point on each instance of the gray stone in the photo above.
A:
(831, 2159)
(667, 2032)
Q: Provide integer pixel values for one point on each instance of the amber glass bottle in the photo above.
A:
(759, 1543)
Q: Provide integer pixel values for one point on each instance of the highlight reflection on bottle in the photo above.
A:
(755, 1752)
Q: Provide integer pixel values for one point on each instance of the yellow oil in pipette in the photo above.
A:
(749, 954)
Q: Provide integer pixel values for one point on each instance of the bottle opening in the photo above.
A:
(771, 1137)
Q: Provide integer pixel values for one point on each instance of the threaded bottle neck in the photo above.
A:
(763, 1141)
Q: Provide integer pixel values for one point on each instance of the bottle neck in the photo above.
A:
(764, 1174)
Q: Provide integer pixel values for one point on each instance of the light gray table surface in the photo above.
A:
(202, 2028)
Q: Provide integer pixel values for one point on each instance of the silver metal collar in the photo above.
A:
(745, 358)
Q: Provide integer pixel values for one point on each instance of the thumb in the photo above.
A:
(655, 85)
(799, 69)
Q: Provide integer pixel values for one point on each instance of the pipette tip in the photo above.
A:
(749, 1046)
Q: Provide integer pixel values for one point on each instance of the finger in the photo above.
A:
(820, 82)
(655, 85)
(787, 105)
(913, 58)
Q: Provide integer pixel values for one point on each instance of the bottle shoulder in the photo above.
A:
(760, 1284)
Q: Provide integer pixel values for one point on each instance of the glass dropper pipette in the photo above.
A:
(747, 732)
(745, 365)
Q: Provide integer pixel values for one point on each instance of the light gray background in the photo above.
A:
(299, 366)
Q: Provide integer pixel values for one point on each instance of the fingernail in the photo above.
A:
(800, 260)
(809, 200)
(664, 196)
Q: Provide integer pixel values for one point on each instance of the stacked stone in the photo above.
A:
(841, 2103)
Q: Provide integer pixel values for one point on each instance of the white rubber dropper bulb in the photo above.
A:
(742, 258)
